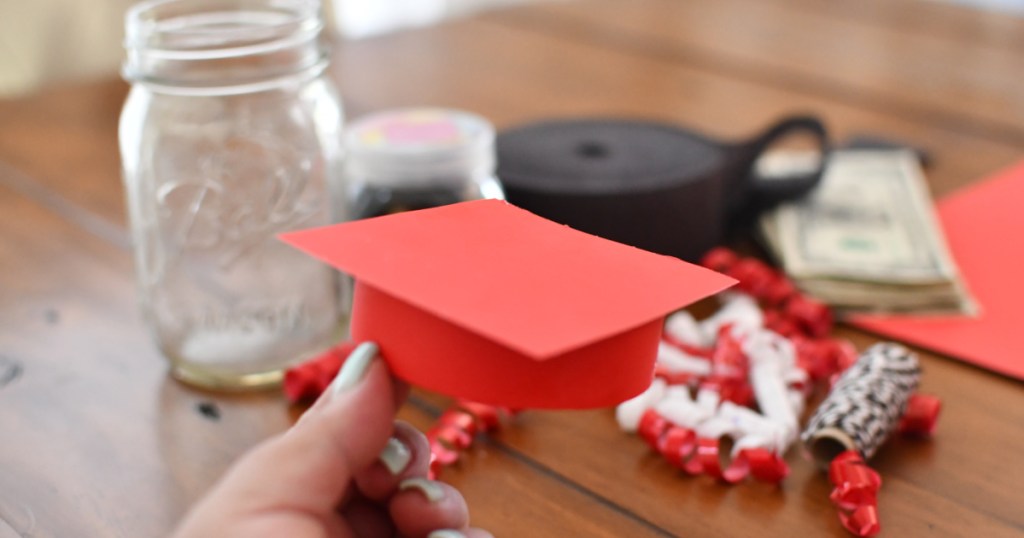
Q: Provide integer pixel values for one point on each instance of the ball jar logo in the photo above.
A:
(243, 194)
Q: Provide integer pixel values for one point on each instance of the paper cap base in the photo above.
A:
(427, 351)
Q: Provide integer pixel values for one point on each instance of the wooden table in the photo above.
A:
(96, 440)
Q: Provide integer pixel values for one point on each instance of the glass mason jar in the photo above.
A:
(231, 134)
(415, 158)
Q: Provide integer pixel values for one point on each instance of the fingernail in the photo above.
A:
(355, 368)
(395, 456)
(446, 533)
(430, 489)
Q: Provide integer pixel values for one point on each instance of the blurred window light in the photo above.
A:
(363, 18)
(1015, 7)
(355, 19)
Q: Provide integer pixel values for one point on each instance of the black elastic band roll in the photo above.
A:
(648, 185)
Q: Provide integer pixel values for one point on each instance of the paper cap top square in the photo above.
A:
(485, 301)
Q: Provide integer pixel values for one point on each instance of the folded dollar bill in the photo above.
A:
(867, 237)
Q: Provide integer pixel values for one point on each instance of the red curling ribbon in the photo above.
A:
(737, 391)
(708, 456)
(442, 453)
(737, 470)
(859, 487)
(807, 356)
(803, 387)
(453, 436)
(778, 291)
(728, 359)
(840, 463)
(456, 429)
(755, 277)
(693, 466)
(816, 357)
(855, 493)
(719, 259)
(729, 370)
(652, 427)
(814, 317)
(764, 465)
(845, 353)
(440, 457)
(461, 420)
(757, 462)
(308, 380)
(863, 521)
(921, 416)
(677, 445)
(778, 323)
(689, 349)
(674, 378)
(434, 469)
(741, 394)
(487, 416)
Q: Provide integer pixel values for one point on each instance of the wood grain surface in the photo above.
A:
(96, 440)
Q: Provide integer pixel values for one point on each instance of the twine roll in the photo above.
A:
(864, 405)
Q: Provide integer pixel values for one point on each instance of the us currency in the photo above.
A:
(867, 237)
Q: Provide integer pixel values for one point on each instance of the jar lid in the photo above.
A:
(420, 146)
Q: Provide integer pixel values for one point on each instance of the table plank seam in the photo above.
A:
(779, 78)
(858, 15)
(958, 501)
(64, 208)
(548, 472)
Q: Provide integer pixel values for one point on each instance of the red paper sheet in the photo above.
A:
(984, 225)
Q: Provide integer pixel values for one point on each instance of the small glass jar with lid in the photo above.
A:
(231, 134)
(415, 158)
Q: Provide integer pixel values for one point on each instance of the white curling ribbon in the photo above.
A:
(628, 413)
(754, 430)
(747, 420)
(678, 361)
(795, 375)
(708, 400)
(773, 398)
(716, 428)
(791, 375)
(681, 410)
(684, 328)
(773, 437)
(740, 310)
(766, 343)
(797, 400)
(750, 422)
(747, 428)
(770, 388)
(753, 441)
(772, 443)
(740, 420)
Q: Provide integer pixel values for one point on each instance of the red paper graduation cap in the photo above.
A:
(485, 301)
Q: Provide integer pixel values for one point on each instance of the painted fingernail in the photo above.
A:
(430, 489)
(395, 456)
(355, 367)
(446, 533)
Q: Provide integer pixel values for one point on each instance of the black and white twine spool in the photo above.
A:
(864, 405)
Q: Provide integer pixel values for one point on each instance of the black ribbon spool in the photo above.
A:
(651, 185)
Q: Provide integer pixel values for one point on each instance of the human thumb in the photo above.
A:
(311, 466)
